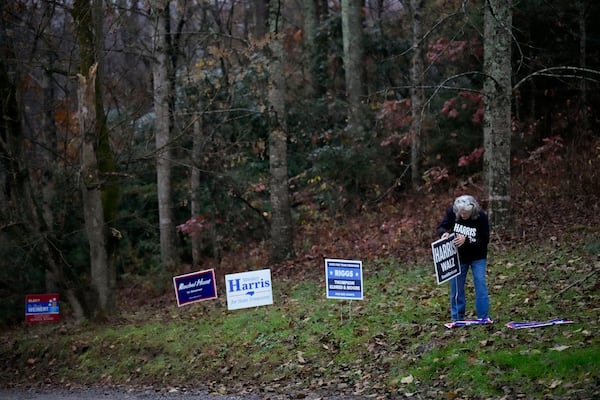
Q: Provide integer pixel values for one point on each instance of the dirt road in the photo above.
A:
(116, 394)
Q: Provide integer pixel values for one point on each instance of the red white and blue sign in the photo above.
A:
(42, 308)
(194, 287)
(344, 279)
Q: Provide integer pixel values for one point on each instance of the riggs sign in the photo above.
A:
(194, 287)
(249, 289)
(344, 279)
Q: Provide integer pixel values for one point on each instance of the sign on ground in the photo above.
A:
(344, 279)
(194, 287)
(249, 289)
(42, 308)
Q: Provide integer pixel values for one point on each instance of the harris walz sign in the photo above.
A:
(445, 259)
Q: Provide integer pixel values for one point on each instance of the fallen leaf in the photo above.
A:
(301, 359)
(560, 348)
(407, 379)
(555, 383)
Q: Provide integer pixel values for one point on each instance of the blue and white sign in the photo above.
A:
(194, 287)
(344, 279)
(249, 289)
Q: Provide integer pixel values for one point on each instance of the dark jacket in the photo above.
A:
(476, 230)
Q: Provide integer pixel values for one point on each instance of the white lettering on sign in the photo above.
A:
(444, 251)
(343, 273)
(191, 285)
(37, 309)
(448, 264)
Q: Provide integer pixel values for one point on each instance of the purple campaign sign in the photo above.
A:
(469, 322)
(537, 324)
(197, 286)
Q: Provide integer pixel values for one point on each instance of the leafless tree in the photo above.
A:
(282, 239)
(417, 92)
(497, 118)
(352, 33)
(162, 94)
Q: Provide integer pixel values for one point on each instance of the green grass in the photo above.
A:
(531, 371)
(390, 344)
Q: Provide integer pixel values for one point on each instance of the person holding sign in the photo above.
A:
(471, 227)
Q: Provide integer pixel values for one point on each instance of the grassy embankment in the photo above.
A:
(393, 343)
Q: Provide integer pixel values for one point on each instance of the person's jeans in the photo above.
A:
(458, 302)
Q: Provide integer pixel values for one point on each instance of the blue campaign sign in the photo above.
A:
(197, 286)
(344, 279)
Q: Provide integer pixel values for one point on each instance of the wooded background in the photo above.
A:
(138, 137)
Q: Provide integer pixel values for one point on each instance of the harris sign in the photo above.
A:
(445, 259)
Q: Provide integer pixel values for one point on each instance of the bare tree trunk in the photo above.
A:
(90, 187)
(311, 51)
(352, 33)
(282, 238)
(416, 93)
(162, 90)
(106, 164)
(99, 197)
(497, 119)
(260, 15)
(48, 139)
(581, 9)
(195, 184)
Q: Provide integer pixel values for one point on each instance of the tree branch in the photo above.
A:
(555, 72)
(594, 271)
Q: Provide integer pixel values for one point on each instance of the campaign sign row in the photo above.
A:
(343, 278)
(255, 288)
